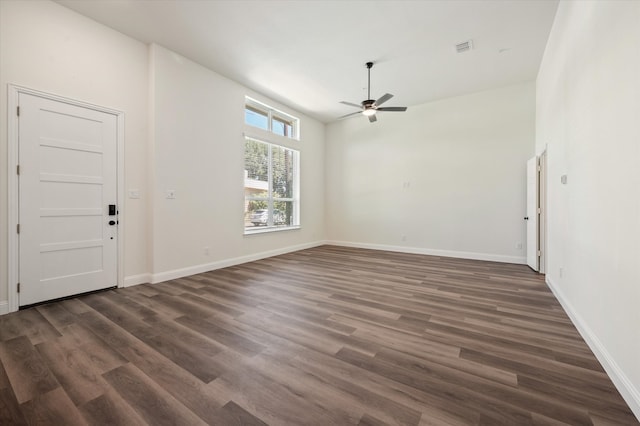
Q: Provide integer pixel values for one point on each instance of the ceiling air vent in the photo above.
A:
(465, 46)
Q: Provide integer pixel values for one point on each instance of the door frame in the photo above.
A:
(533, 218)
(13, 266)
(542, 217)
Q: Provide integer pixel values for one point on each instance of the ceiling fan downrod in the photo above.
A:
(369, 65)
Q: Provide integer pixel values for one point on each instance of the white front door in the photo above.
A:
(67, 180)
(532, 213)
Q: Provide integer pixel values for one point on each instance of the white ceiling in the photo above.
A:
(310, 54)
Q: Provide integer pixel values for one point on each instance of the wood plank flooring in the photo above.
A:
(324, 336)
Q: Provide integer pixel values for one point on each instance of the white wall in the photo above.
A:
(588, 114)
(199, 151)
(183, 131)
(449, 175)
(46, 47)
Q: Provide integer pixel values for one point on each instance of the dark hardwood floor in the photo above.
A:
(324, 336)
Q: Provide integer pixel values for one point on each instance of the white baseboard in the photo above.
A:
(132, 280)
(629, 392)
(205, 267)
(434, 252)
(197, 269)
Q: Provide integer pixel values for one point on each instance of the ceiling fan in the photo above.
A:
(369, 107)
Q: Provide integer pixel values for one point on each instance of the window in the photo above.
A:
(259, 115)
(271, 176)
(271, 171)
(282, 126)
(256, 117)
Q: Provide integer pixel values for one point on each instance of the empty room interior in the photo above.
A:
(320, 212)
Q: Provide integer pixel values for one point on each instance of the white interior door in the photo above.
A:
(532, 214)
(67, 179)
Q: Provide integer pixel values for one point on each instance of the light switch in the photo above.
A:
(134, 194)
(171, 194)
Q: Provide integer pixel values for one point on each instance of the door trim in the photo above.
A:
(533, 217)
(13, 92)
(542, 204)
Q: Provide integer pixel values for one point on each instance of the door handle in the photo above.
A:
(112, 222)
(526, 218)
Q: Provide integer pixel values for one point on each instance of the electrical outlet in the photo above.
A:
(519, 246)
(206, 251)
(403, 237)
(561, 272)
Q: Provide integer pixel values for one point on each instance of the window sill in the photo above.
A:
(266, 230)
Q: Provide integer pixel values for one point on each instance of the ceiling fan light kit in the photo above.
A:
(369, 107)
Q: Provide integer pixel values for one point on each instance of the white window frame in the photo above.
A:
(270, 199)
(272, 113)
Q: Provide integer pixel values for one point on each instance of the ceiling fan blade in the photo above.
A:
(351, 104)
(392, 109)
(372, 118)
(384, 98)
(349, 115)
